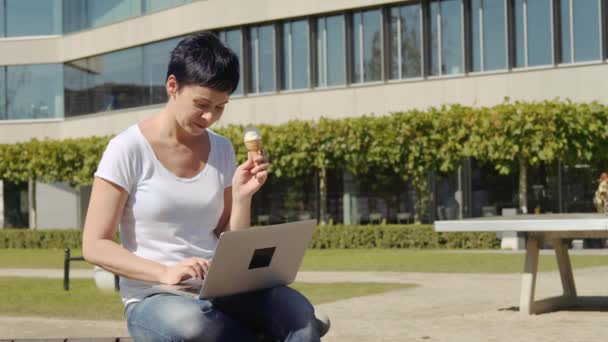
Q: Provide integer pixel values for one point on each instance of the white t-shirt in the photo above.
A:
(166, 218)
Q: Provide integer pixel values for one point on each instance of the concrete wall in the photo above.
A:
(579, 83)
(58, 206)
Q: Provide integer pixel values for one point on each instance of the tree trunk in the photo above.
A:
(32, 204)
(421, 204)
(523, 195)
(323, 196)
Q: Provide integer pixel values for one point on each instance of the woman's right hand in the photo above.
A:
(190, 268)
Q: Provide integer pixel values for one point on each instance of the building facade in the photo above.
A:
(76, 68)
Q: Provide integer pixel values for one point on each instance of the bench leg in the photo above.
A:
(565, 268)
(528, 278)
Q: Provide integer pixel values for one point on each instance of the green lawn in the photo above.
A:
(46, 297)
(354, 260)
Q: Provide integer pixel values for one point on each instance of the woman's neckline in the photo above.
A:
(161, 165)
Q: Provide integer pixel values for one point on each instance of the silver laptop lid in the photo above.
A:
(257, 258)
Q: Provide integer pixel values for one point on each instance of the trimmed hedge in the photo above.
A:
(40, 239)
(377, 236)
(398, 236)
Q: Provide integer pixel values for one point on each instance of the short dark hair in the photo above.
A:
(202, 59)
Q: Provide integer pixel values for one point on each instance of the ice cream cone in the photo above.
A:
(253, 141)
(254, 145)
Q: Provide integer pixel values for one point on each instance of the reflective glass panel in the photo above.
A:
(565, 31)
(372, 45)
(411, 44)
(321, 52)
(266, 58)
(75, 16)
(253, 60)
(494, 35)
(34, 91)
(110, 11)
(233, 40)
(2, 33)
(295, 55)
(33, 17)
(476, 35)
(156, 60)
(336, 55)
(78, 84)
(451, 37)
(118, 80)
(395, 42)
(158, 5)
(434, 39)
(586, 27)
(518, 13)
(539, 32)
(356, 72)
(300, 65)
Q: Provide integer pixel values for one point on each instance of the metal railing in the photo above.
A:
(66, 270)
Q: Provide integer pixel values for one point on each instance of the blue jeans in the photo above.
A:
(280, 312)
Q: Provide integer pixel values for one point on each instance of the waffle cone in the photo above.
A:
(253, 145)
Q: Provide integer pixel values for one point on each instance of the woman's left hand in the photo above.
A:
(249, 178)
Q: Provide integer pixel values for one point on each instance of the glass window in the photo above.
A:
(118, 80)
(451, 37)
(233, 40)
(2, 17)
(110, 11)
(33, 17)
(367, 46)
(406, 45)
(520, 50)
(539, 28)
(34, 91)
(476, 29)
(2, 93)
(488, 20)
(357, 68)
(586, 28)
(331, 55)
(156, 60)
(296, 66)
(266, 58)
(566, 48)
(262, 46)
(494, 35)
(74, 15)
(434, 39)
(372, 45)
(446, 37)
(158, 5)
(78, 84)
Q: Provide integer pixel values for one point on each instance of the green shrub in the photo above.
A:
(324, 237)
(33, 239)
(398, 236)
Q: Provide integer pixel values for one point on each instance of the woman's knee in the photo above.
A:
(181, 319)
(295, 309)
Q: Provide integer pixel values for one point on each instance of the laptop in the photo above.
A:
(251, 259)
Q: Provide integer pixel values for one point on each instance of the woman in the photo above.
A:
(173, 185)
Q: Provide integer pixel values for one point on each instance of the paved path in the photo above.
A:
(444, 307)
